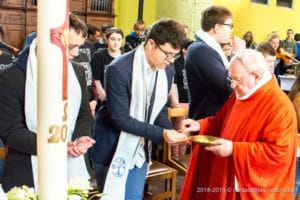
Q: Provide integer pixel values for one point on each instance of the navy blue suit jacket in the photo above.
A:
(113, 116)
(206, 74)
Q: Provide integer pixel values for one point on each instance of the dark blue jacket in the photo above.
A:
(113, 115)
(206, 74)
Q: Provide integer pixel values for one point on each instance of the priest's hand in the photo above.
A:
(80, 146)
(189, 125)
(223, 149)
(173, 137)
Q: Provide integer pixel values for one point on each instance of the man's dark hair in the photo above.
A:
(289, 30)
(92, 30)
(167, 31)
(138, 22)
(272, 36)
(266, 49)
(78, 25)
(105, 26)
(214, 15)
(112, 30)
(297, 37)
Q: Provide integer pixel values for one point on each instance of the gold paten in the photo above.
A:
(204, 140)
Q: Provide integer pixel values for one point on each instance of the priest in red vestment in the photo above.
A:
(256, 153)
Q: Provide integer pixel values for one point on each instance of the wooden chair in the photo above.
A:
(160, 173)
(179, 163)
(167, 172)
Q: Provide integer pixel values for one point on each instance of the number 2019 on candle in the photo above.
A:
(59, 133)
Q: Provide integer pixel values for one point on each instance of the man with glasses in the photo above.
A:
(255, 153)
(289, 43)
(206, 63)
(133, 115)
(18, 113)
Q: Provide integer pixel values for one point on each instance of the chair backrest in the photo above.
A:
(179, 163)
(177, 112)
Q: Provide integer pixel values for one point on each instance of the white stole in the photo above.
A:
(76, 166)
(2, 193)
(130, 149)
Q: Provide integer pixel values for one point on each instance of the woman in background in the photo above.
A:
(6, 55)
(248, 37)
(102, 58)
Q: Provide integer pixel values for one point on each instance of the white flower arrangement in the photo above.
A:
(21, 193)
(78, 189)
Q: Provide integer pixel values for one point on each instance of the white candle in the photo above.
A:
(53, 27)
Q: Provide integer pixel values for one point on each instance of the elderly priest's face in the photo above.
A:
(245, 72)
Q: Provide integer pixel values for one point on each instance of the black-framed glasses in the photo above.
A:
(169, 55)
(230, 25)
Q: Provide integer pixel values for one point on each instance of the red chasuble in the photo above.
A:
(263, 129)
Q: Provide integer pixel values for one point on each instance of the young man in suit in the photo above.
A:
(14, 124)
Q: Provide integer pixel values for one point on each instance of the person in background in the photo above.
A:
(248, 37)
(178, 96)
(289, 47)
(23, 54)
(17, 107)
(101, 44)
(101, 60)
(280, 66)
(5, 60)
(206, 65)
(6, 56)
(289, 44)
(179, 92)
(136, 37)
(255, 154)
(133, 114)
(269, 54)
(227, 49)
(297, 41)
(93, 33)
(84, 58)
(180, 78)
